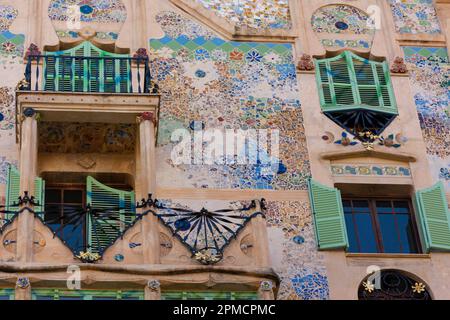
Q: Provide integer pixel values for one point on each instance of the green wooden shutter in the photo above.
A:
(100, 233)
(86, 75)
(13, 191)
(433, 213)
(348, 82)
(39, 195)
(329, 222)
(374, 84)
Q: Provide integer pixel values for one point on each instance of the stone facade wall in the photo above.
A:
(250, 81)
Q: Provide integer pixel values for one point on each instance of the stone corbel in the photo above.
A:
(265, 290)
(23, 289)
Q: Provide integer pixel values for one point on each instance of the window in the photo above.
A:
(356, 93)
(380, 226)
(55, 294)
(113, 211)
(393, 285)
(62, 203)
(194, 295)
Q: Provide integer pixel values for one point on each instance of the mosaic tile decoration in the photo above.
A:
(430, 76)
(415, 16)
(63, 137)
(106, 11)
(345, 43)
(7, 111)
(7, 15)
(4, 166)
(257, 14)
(10, 44)
(370, 170)
(227, 85)
(341, 19)
(300, 266)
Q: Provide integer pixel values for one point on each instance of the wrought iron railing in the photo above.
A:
(59, 73)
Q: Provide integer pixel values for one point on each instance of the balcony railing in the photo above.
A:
(87, 74)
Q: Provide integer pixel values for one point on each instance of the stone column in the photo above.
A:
(28, 169)
(265, 291)
(147, 147)
(153, 290)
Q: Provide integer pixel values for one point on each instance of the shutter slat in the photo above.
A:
(328, 215)
(433, 212)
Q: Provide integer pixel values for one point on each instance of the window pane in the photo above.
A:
(347, 206)
(73, 196)
(401, 206)
(384, 206)
(407, 238)
(52, 213)
(389, 233)
(366, 233)
(361, 206)
(353, 242)
(53, 196)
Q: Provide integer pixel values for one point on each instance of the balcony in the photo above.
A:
(88, 74)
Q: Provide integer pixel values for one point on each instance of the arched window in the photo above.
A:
(392, 285)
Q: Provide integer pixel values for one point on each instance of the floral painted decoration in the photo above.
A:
(389, 142)
(345, 140)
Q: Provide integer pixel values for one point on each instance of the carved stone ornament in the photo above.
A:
(266, 285)
(153, 285)
(399, 66)
(23, 283)
(306, 63)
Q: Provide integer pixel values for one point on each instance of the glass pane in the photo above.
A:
(361, 206)
(384, 206)
(73, 196)
(53, 196)
(407, 238)
(366, 234)
(347, 206)
(71, 298)
(389, 233)
(353, 242)
(401, 206)
(52, 213)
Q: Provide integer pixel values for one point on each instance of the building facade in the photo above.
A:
(282, 149)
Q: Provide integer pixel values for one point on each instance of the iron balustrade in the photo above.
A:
(59, 73)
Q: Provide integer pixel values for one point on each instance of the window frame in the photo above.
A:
(376, 224)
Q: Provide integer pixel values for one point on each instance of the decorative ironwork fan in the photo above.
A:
(205, 233)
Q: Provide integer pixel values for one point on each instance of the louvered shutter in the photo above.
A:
(50, 74)
(350, 82)
(433, 213)
(103, 232)
(324, 83)
(329, 222)
(39, 195)
(13, 191)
